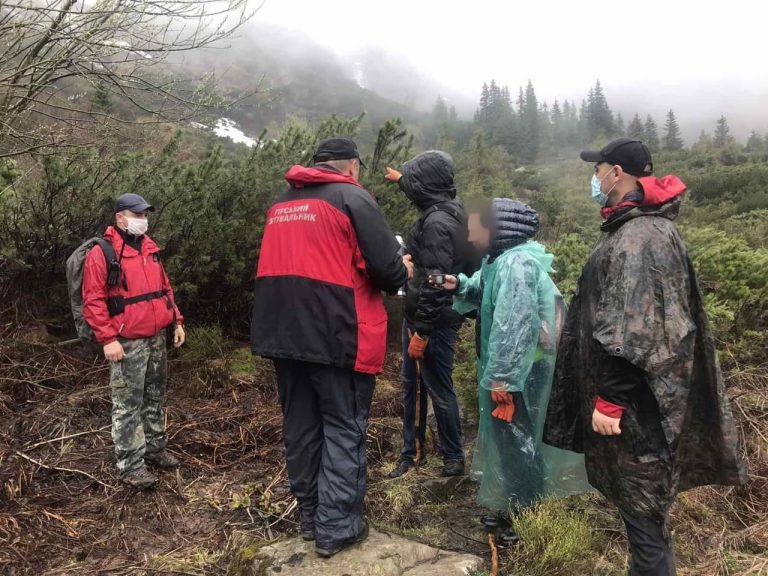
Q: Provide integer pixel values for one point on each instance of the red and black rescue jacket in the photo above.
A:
(326, 255)
(142, 275)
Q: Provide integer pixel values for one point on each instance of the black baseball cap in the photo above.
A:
(632, 155)
(134, 203)
(337, 149)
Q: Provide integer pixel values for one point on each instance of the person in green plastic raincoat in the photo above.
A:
(520, 313)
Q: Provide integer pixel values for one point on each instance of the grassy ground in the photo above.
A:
(63, 511)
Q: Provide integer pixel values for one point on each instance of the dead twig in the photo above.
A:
(61, 469)
(66, 437)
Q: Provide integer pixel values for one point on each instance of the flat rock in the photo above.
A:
(380, 555)
(443, 489)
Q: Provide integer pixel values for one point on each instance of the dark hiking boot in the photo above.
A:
(307, 534)
(494, 522)
(402, 469)
(141, 479)
(453, 468)
(330, 551)
(164, 460)
(507, 538)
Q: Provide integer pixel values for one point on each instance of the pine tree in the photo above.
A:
(599, 118)
(636, 129)
(704, 143)
(620, 127)
(102, 99)
(530, 129)
(755, 144)
(481, 116)
(722, 133)
(651, 137)
(672, 139)
(557, 113)
(440, 111)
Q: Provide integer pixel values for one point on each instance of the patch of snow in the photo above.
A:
(359, 75)
(226, 128)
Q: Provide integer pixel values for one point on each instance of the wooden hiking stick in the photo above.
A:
(417, 396)
(494, 554)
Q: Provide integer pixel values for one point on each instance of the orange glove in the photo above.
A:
(417, 347)
(504, 412)
(393, 175)
(505, 403)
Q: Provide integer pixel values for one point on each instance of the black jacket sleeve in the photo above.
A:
(618, 380)
(377, 242)
(437, 255)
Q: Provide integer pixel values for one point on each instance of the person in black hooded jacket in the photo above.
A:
(438, 244)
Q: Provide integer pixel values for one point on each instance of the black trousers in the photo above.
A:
(651, 550)
(325, 424)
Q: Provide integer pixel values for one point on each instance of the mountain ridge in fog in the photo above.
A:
(300, 77)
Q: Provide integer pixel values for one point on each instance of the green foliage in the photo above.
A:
(571, 253)
(722, 133)
(651, 134)
(555, 541)
(209, 219)
(672, 139)
(465, 371)
(734, 278)
(636, 129)
(598, 118)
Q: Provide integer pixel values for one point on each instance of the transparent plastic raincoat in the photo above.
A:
(520, 312)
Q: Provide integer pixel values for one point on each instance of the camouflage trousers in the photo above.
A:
(138, 392)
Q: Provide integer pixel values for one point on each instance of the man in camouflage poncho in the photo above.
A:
(638, 387)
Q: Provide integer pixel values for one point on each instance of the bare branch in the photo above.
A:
(50, 49)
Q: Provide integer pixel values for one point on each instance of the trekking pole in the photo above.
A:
(417, 396)
(418, 412)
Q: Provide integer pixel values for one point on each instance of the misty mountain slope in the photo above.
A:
(293, 77)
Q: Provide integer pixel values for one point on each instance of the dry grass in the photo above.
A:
(63, 511)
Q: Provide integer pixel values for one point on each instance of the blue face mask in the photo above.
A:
(597, 192)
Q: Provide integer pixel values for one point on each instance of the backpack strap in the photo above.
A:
(113, 265)
(446, 207)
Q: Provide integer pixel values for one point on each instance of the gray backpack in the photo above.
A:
(75, 266)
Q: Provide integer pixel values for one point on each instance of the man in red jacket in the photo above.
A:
(130, 321)
(326, 255)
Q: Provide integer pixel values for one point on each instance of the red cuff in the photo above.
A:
(608, 408)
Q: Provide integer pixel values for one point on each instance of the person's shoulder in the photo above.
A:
(649, 239)
(647, 231)
(351, 192)
(447, 215)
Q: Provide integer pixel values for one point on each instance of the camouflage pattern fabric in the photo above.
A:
(138, 392)
(638, 298)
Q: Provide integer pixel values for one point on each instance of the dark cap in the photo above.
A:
(337, 149)
(134, 203)
(632, 155)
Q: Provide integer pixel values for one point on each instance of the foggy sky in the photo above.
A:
(699, 58)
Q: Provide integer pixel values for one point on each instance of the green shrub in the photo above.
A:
(555, 541)
(465, 371)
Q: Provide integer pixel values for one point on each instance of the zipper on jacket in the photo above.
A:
(121, 328)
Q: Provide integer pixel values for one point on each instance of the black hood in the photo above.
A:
(511, 223)
(428, 179)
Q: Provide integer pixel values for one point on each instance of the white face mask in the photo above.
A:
(136, 226)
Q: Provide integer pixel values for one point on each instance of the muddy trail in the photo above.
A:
(64, 511)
